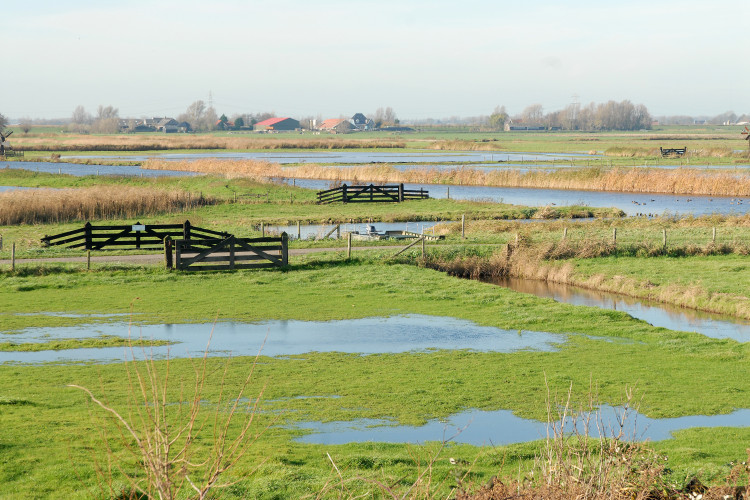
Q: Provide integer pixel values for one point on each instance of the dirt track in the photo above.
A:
(157, 258)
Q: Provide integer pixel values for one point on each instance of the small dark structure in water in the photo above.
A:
(371, 194)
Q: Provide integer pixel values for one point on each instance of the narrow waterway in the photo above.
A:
(654, 313)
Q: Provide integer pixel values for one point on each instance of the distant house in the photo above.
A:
(511, 126)
(337, 126)
(167, 125)
(224, 125)
(277, 124)
(361, 122)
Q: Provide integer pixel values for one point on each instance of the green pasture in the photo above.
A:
(50, 431)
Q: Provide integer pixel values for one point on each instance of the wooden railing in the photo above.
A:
(131, 237)
(672, 152)
(231, 253)
(371, 194)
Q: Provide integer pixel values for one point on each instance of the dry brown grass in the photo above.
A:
(458, 145)
(688, 181)
(141, 142)
(92, 203)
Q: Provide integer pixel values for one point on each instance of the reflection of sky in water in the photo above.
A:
(313, 231)
(81, 170)
(674, 318)
(366, 336)
(630, 203)
(501, 427)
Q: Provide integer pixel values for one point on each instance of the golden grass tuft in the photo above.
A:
(91, 203)
(688, 181)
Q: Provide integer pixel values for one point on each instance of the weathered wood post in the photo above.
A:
(614, 236)
(713, 238)
(13, 256)
(372, 190)
(1, 241)
(423, 246)
(349, 246)
(463, 226)
(137, 237)
(231, 252)
(87, 236)
(449, 192)
(186, 230)
(299, 230)
(284, 249)
(338, 231)
(344, 195)
(401, 192)
(263, 229)
(88, 260)
(168, 252)
(565, 233)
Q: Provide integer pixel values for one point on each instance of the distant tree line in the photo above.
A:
(611, 115)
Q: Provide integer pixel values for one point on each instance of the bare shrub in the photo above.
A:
(178, 446)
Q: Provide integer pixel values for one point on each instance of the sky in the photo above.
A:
(331, 58)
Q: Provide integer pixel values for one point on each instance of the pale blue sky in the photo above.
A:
(337, 57)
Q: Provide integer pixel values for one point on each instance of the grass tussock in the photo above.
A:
(92, 203)
(139, 142)
(689, 181)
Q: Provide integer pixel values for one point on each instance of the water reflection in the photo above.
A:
(657, 314)
(501, 427)
(82, 170)
(317, 231)
(366, 336)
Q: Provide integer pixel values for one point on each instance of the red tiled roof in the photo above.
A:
(271, 121)
(331, 123)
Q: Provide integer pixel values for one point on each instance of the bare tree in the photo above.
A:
(107, 120)
(25, 124)
(3, 122)
(498, 118)
(80, 116)
(533, 113)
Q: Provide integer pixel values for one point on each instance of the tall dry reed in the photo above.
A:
(92, 203)
(182, 141)
(687, 181)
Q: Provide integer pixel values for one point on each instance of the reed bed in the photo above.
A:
(92, 203)
(183, 141)
(692, 152)
(687, 181)
(458, 145)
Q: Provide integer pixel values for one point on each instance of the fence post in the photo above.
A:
(138, 237)
(231, 252)
(186, 230)
(88, 260)
(87, 236)
(713, 238)
(449, 192)
(13, 256)
(401, 192)
(423, 246)
(664, 238)
(344, 196)
(338, 231)
(263, 229)
(349, 246)
(1, 240)
(463, 226)
(168, 252)
(614, 236)
(299, 230)
(284, 249)
(565, 233)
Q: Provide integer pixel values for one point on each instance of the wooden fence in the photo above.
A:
(131, 237)
(231, 253)
(371, 194)
(672, 152)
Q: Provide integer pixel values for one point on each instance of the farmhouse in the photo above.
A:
(361, 122)
(277, 124)
(337, 126)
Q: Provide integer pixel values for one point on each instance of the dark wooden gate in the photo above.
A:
(231, 253)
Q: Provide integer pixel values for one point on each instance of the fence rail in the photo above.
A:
(231, 253)
(130, 237)
(371, 194)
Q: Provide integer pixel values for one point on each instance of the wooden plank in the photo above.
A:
(260, 252)
(111, 239)
(205, 253)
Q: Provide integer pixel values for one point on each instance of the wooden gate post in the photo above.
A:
(87, 236)
(344, 196)
(168, 252)
(186, 230)
(284, 249)
(231, 252)
(349, 246)
(138, 237)
(401, 192)
(177, 262)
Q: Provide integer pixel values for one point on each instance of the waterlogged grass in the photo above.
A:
(63, 344)
(50, 437)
